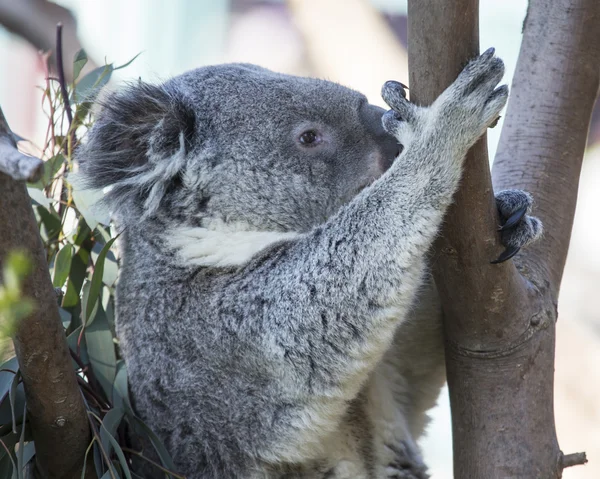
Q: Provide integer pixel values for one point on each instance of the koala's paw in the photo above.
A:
(473, 102)
(518, 228)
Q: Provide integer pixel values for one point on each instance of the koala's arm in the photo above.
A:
(325, 305)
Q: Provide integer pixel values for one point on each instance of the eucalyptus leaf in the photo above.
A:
(101, 351)
(72, 342)
(79, 62)
(96, 283)
(65, 317)
(161, 450)
(28, 452)
(88, 87)
(110, 423)
(113, 423)
(62, 265)
(120, 394)
(39, 198)
(125, 65)
(6, 408)
(12, 395)
(89, 205)
(20, 451)
(51, 222)
(111, 268)
(6, 377)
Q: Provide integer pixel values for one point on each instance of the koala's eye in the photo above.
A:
(310, 138)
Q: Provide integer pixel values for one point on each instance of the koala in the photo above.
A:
(274, 308)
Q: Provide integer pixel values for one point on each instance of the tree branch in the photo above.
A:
(547, 121)
(54, 403)
(18, 166)
(575, 459)
(499, 327)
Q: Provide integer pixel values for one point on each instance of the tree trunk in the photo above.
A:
(499, 320)
(55, 406)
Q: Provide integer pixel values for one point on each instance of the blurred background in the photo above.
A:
(359, 43)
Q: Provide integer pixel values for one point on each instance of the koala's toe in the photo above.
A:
(526, 231)
(518, 229)
(510, 201)
(495, 103)
(394, 94)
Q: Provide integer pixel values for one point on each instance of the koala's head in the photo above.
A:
(235, 144)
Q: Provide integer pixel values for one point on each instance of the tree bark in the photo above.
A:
(499, 320)
(55, 406)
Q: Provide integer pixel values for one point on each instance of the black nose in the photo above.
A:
(388, 145)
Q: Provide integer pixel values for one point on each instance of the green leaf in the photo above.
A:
(165, 457)
(65, 317)
(8, 466)
(51, 222)
(38, 197)
(125, 65)
(72, 342)
(88, 204)
(108, 429)
(12, 396)
(96, 284)
(90, 85)
(101, 351)
(20, 458)
(76, 278)
(120, 394)
(111, 268)
(110, 423)
(85, 458)
(62, 265)
(6, 377)
(6, 408)
(79, 62)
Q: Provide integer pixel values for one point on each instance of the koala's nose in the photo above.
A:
(387, 144)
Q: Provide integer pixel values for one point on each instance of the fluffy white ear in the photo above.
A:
(138, 146)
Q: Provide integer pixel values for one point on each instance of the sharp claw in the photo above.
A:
(507, 254)
(514, 219)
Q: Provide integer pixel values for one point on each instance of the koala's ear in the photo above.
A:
(138, 146)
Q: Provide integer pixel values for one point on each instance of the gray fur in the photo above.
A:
(317, 353)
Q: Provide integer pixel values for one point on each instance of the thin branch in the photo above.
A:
(575, 459)
(61, 74)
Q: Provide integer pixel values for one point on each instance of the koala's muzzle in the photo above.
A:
(388, 146)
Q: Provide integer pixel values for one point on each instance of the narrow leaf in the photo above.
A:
(20, 463)
(7, 376)
(79, 62)
(110, 423)
(128, 63)
(12, 395)
(120, 389)
(62, 265)
(88, 87)
(110, 438)
(96, 284)
(165, 457)
(101, 351)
